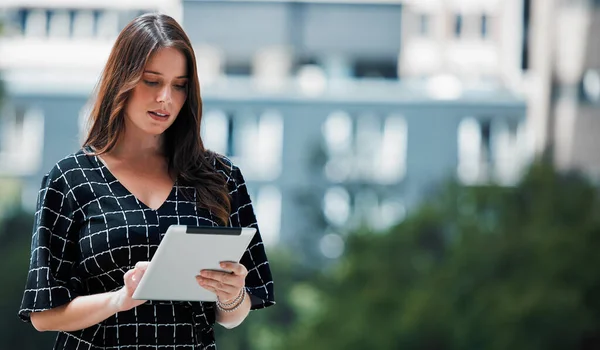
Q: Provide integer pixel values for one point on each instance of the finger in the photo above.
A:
(219, 293)
(234, 267)
(203, 283)
(231, 279)
(217, 275)
(128, 273)
(137, 275)
(233, 282)
(211, 289)
(129, 282)
(219, 286)
(142, 265)
(127, 276)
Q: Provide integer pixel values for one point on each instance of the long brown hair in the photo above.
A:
(183, 145)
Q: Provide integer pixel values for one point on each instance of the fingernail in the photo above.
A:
(223, 265)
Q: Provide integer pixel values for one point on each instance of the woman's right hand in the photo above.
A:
(123, 300)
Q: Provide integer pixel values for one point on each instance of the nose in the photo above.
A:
(164, 95)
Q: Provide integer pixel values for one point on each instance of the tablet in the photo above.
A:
(182, 253)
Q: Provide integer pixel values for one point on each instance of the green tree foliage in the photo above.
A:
(476, 268)
(15, 241)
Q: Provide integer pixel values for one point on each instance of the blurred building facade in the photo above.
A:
(374, 102)
(564, 78)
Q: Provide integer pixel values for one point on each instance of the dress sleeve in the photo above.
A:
(50, 280)
(259, 282)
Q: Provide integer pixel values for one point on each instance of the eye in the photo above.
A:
(150, 83)
(181, 87)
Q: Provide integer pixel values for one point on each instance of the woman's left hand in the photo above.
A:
(225, 285)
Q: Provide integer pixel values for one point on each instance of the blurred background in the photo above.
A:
(424, 172)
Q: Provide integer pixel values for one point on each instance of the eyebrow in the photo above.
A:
(157, 73)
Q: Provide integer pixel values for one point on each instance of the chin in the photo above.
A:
(149, 126)
(156, 131)
(157, 128)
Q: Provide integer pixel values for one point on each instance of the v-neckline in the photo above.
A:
(103, 164)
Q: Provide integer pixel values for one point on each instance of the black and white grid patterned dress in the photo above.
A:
(89, 230)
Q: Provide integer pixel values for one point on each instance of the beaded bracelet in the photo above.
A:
(237, 302)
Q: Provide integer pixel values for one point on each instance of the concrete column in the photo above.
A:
(542, 31)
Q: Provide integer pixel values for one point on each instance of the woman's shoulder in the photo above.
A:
(68, 166)
(223, 164)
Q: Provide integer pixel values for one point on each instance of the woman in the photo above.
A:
(103, 210)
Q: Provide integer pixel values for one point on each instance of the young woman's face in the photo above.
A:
(157, 99)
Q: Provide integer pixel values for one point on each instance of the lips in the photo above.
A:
(161, 113)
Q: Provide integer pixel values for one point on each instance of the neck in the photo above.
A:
(138, 145)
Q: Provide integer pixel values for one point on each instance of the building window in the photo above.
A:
(36, 23)
(338, 134)
(367, 146)
(474, 151)
(59, 24)
(302, 61)
(238, 69)
(492, 149)
(509, 153)
(243, 138)
(484, 26)
(391, 157)
(590, 86)
(268, 212)
(107, 24)
(336, 206)
(376, 69)
(338, 131)
(97, 15)
(255, 141)
(526, 35)
(22, 20)
(424, 24)
(231, 144)
(83, 121)
(216, 130)
(469, 151)
(269, 144)
(366, 209)
(22, 136)
(458, 25)
(84, 24)
(344, 211)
